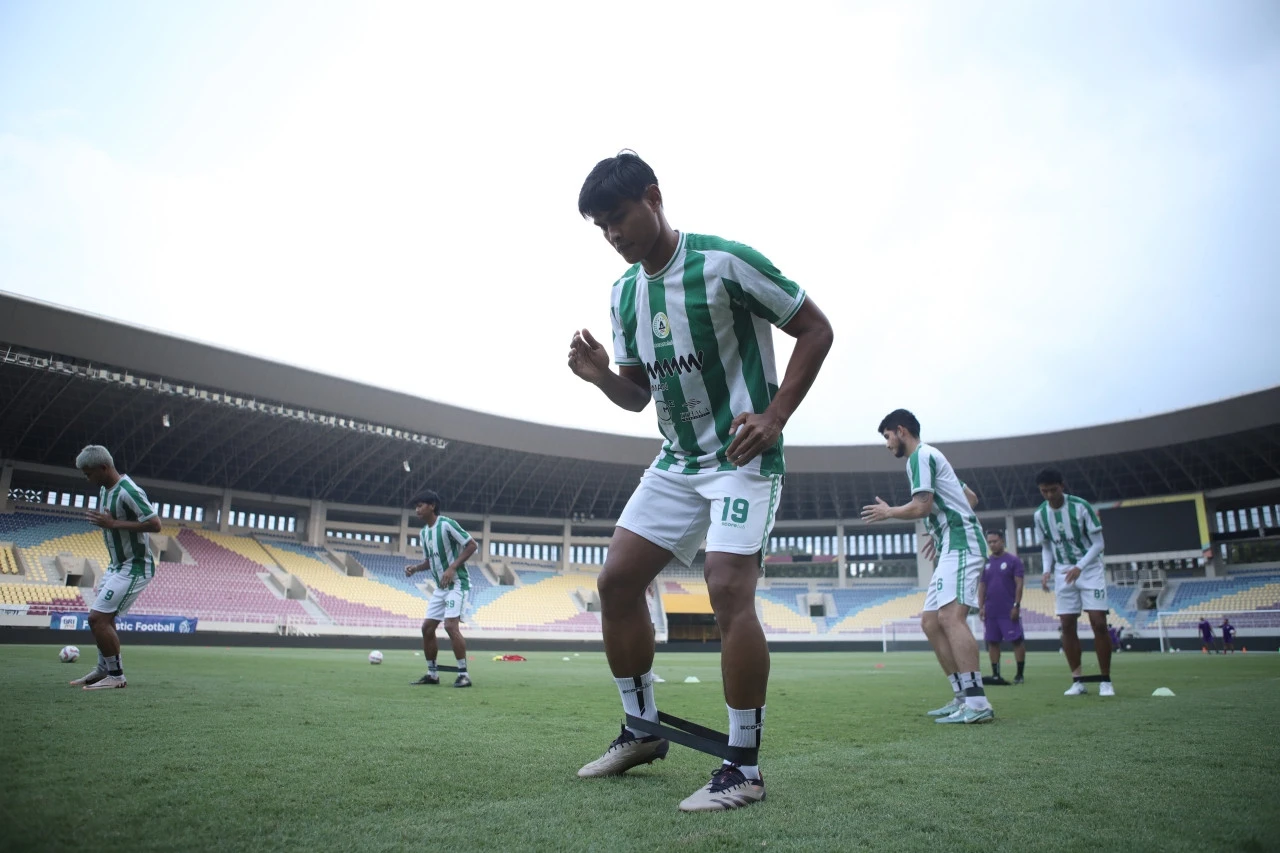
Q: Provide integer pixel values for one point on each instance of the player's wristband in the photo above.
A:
(1018, 604)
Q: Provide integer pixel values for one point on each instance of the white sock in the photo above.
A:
(462, 664)
(431, 667)
(954, 680)
(102, 662)
(637, 699)
(113, 665)
(745, 727)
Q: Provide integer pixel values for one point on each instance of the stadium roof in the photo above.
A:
(179, 410)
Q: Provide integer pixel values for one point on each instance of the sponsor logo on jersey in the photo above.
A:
(664, 367)
(688, 411)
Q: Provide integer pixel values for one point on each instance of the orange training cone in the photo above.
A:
(1203, 650)
(1244, 650)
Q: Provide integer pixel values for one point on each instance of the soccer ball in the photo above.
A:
(69, 654)
(375, 656)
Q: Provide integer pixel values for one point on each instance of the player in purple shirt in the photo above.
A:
(1206, 634)
(1000, 605)
(1228, 636)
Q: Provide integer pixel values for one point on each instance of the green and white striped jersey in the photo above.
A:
(952, 523)
(701, 328)
(130, 550)
(441, 544)
(1069, 532)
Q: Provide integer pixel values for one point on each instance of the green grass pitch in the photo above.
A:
(260, 749)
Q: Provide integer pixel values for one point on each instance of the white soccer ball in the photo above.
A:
(69, 654)
(375, 656)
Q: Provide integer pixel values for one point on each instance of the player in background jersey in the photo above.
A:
(1000, 605)
(127, 518)
(446, 547)
(1228, 636)
(946, 506)
(1071, 542)
(692, 320)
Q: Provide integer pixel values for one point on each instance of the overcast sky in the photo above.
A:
(1019, 216)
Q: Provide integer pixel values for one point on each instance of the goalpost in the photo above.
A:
(896, 634)
(899, 635)
(1184, 626)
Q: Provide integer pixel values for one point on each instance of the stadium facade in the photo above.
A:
(237, 444)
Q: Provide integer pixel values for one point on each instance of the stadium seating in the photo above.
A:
(222, 585)
(8, 563)
(1253, 592)
(883, 603)
(43, 598)
(543, 602)
(347, 600)
(780, 612)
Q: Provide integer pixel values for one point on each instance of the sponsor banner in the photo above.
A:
(140, 624)
(13, 609)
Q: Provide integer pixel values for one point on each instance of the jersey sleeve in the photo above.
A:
(455, 532)
(137, 502)
(622, 317)
(920, 471)
(766, 292)
(1089, 517)
(1019, 570)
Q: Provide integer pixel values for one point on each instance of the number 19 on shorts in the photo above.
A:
(735, 510)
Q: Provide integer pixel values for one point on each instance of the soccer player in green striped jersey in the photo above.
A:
(1071, 544)
(692, 319)
(946, 506)
(126, 517)
(446, 547)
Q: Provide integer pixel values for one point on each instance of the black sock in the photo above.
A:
(995, 670)
(1021, 664)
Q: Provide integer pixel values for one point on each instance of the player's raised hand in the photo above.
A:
(588, 359)
(752, 435)
(878, 511)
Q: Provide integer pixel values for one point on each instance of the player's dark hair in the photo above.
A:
(426, 496)
(999, 533)
(613, 181)
(1049, 477)
(900, 418)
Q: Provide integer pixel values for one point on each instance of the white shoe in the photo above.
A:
(1077, 688)
(107, 683)
(728, 789)
(91, 678)
(1105, 689)
(625, 752)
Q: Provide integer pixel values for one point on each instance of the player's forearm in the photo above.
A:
(151, 525)
(622, 392)
(1018, 585)
(1094, 552)
(806, 360)
(910, 511)
(1046, 557)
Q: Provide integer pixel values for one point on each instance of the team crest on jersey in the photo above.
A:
(661, 325)
(1004, 567)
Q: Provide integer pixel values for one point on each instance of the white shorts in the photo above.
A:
(117, 591)
(732, 510)
(954, 579)
(447, 604)
(1087, 593)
